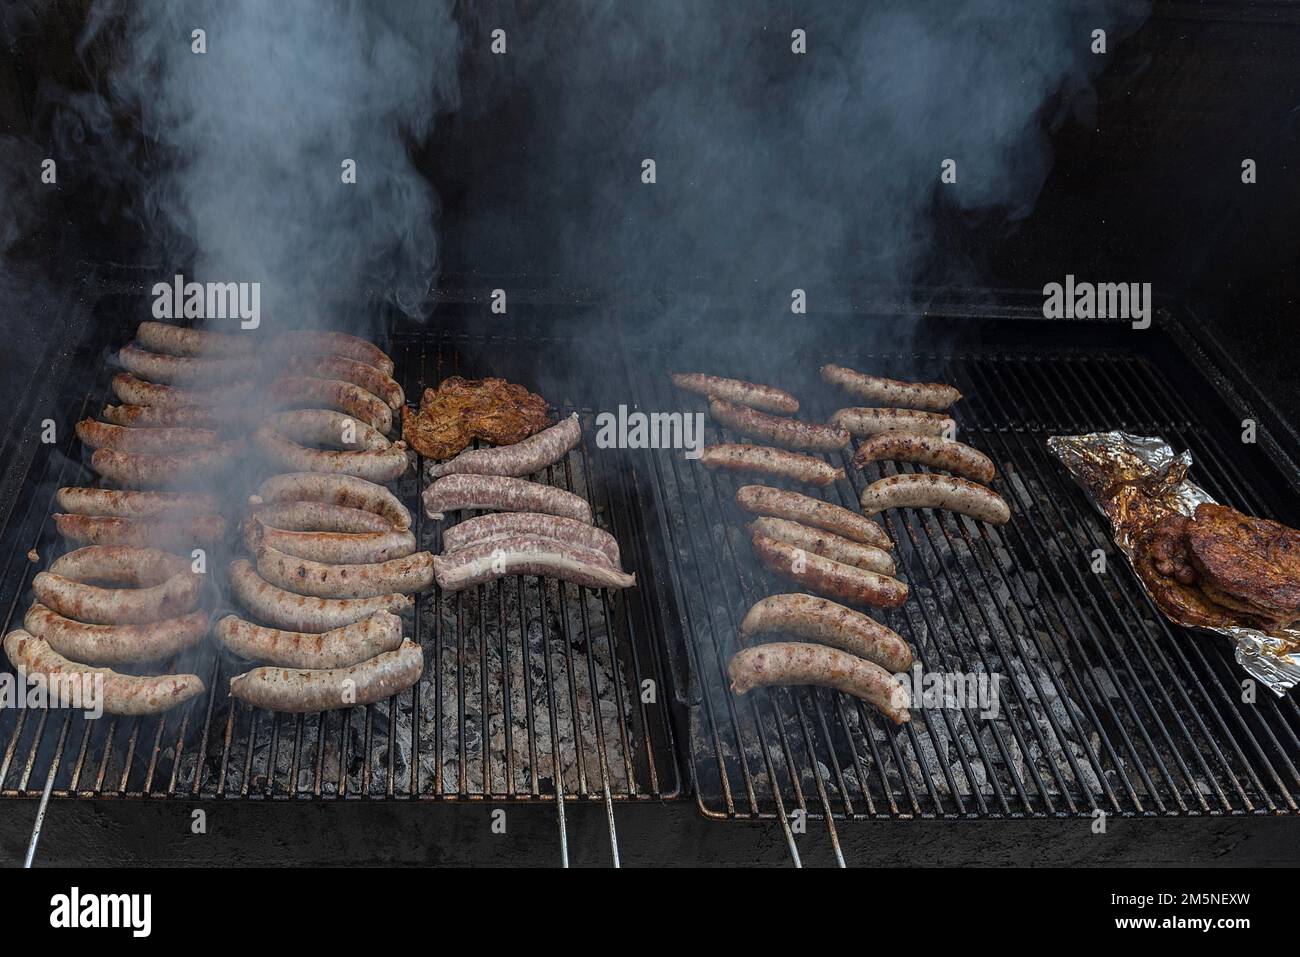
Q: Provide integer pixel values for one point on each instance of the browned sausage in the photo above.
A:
(350, 370)
(783, 503)
(336, 648)
(168, 532)
(284, 609)
(135, 391)
(930, 396)
(798, 663)
(320, 517)
(304, 577)
(928, 450)
(58, 589)
(100, 435)
(183, 341)
(312, 392)
(824, 543)
(121, 694)
(826, 577)
(936, 491)
(345, 490)
(303, 690)
(777, 430)
(764, 397)
(336, 344)
(825, 622)
(116, 644)
(336, 548)
(864, 422)
(122, 504)
(162, 416)
(776, 463)
(184, 370)
(371, 464)
(142, 470)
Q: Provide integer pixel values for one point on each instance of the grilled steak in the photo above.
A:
(461, 410)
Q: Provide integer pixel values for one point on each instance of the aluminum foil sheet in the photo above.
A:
(1136, 480)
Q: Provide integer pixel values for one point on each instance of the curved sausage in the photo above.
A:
(302, 690)
(100, 435)
(499, 525)
(335, 548)
(162, 416)
(142, 469)
(375, 465)
(122, 504)
(320, 517)
(184, 370)
(345, 490)
(183, 341)
(777, 430)
(336, 648)
(527, 555)
(936, 491)
(116, 644)
(284, 609)
(134, 391)
(121, 694)
(501, 493)
(336, 344)
(929, 396)
(931, 450)
(350, 370)
(798, 663)
(864, 422)
(764, 397)
(777, 463)
(304, 577)
(523, 458)
(830, 578)
(825, 622)
(119, 564)
(312, 392)
(827, 544)
(117, 606)
(326, 427)
(783, 503)
(167, 532)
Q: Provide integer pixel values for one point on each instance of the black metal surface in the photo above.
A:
(1112, 709)
(557, 716)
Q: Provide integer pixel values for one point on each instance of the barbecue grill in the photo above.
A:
(602, 722)
(536, 693)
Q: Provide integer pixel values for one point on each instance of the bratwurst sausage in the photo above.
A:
(100, 435)
(499, 525)
(320, 517)
(782, 503)
(182, 341)
(284, 609)
(312, 392)
(167, 532)
(864, 422)
(523, 458)
(777, 463)
(116, 644)
(304, 690)
(827, 577)
(142, 469)
(337, 548)
(184, 370)
(502, 493)
(335, 344)
(777, 430)
(350, 370)
(824, 543)
(345, 490)
(304, 577)
(162, 416)
(930, 396)
(798, 663)
(121, 694)
(527, 555)
(825, 622)
(936, 491)
(120, 504)
(764, 397)
(374, 465)
(165, 587)
(135, 391)
(336, 648)
(928, 450)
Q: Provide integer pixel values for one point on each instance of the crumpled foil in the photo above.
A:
(1135, 480)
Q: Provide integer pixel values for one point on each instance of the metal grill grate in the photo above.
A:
(531, 689)
(1103, 704)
